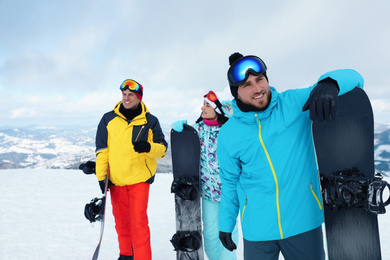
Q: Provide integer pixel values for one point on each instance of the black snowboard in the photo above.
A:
(185, 148)
(347, 144)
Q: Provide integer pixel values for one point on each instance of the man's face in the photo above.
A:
(255, 92)
(129, 99)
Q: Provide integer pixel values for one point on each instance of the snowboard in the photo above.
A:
(89, 168)
(345, 157)
(185, 148)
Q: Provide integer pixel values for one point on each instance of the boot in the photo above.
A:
(125, 257)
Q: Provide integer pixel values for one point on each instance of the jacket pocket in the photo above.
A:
(315, 196)
(150, 172)
(243, 209)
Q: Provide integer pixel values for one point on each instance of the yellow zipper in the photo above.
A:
(275, 178)
(315, 196)
(243, 209)
(139, 134)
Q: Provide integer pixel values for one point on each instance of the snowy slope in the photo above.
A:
(41, 217)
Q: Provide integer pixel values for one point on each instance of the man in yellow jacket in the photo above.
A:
(128, 142)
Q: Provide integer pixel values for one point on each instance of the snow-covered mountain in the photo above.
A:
(382, 148)
(53, 148)
(67, 147)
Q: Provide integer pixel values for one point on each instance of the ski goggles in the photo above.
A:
(211, 96)
(239, 71)
(130, 84)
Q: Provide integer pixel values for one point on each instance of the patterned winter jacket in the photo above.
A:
(114, 147)
(211, 183)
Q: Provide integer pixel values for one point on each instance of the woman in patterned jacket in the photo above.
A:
(207, 126)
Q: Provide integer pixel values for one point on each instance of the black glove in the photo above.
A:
(323, 100)
(226, 240)
(88, 167)
(142, 147)
(102, 185)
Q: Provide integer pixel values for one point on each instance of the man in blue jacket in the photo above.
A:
(268, 162)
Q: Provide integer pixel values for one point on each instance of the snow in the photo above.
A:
(41, 217)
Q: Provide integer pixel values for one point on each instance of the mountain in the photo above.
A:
(67, 147)
(382, 148)
(54, 148)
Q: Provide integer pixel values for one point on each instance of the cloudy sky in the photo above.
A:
(61, 62)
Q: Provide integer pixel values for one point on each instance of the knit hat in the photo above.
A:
(133, 86)
(212, 99)
(233, 59)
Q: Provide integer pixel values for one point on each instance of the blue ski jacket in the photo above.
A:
(268, 166)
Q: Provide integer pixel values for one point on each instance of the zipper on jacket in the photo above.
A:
(275, 178)
(206, 144)
(139, 133)
(243, 209)
(315, 196)
(150, 172)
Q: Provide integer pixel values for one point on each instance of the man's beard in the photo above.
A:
(248, 108)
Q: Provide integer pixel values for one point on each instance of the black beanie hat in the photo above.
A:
(232, 59)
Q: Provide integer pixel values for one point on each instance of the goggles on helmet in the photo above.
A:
(211, 96)
(130, 84)
(239, 71)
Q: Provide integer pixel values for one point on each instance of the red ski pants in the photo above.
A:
(129, 207)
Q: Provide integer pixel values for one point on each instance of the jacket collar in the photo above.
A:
(251, 117)
(138, 120)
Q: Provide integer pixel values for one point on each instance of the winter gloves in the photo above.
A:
(88, 167)
(323, 100)
(226, 240)
(102, 185)
(142, 147)
(178, 125)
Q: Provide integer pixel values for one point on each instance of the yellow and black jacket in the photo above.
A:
(114, 147)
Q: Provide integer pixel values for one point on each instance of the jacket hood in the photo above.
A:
(250, 117)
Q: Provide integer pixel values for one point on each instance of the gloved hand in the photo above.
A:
(102, 185)
(142, 147)
(178, 125)
(323, 100)
(226, 240)
(88, 167)
(227, 108)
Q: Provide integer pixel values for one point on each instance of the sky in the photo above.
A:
(61, 62)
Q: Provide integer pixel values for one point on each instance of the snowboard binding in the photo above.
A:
(375, 195)
(350, 189)
(94, 210)
(185, 188)
(187, 241)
